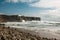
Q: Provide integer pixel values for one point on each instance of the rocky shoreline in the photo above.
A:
(7, 33)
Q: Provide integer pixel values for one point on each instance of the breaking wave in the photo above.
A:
(35, 25)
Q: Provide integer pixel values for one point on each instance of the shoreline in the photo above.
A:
(26, 33)
(43, 34)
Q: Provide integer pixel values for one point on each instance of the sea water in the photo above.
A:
(35, 24)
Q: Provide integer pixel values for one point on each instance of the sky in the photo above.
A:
(46, 9)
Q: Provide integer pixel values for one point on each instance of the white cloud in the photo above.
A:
(49, 4)
(16, 1)
(54, 13)
(51, 15)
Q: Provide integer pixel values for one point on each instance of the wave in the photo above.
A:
(34, 24)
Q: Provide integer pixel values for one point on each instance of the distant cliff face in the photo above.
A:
(2, 18)
(16, 18)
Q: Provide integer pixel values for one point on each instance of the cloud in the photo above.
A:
(16, 1)
(50, 15)
(55, 13)
(47, 3)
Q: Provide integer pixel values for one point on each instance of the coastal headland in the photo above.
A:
(17, 18)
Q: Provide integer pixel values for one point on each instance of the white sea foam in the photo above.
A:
(36, 25)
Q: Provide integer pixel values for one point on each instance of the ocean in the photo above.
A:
(35, 25)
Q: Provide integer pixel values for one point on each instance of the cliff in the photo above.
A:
(16, 18)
